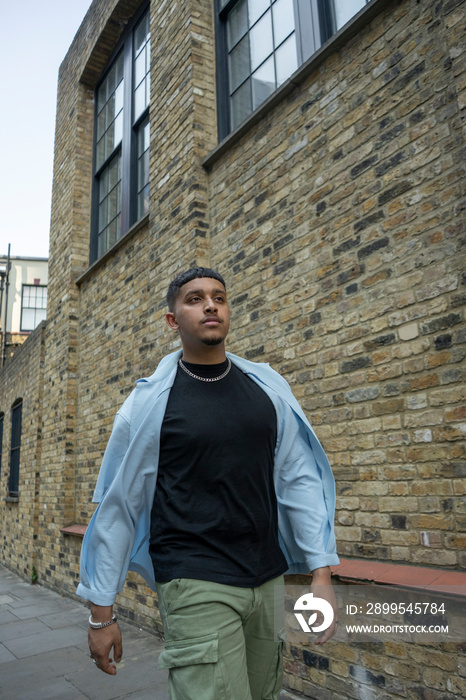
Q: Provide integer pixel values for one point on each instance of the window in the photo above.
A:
(121, 155)
(1, 439)
(16, 415)
(262, 42)
(33, 306)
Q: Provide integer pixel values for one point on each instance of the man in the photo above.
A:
(213, 485)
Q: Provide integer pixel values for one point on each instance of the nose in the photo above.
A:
(210, 304)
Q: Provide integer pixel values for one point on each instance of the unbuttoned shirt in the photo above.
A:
(117, 538)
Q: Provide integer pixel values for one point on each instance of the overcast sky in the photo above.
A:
(34, 38)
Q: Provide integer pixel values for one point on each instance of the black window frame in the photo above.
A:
(15, 447)
(315, 23)
(129, 143)
(32, 286)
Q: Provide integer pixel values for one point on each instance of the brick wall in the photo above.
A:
(22, 378)
(339, 219)
(337, 222)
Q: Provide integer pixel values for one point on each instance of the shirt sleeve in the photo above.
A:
(305, 493)
(103, 566)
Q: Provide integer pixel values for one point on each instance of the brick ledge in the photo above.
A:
(419, 577)
(74, 529)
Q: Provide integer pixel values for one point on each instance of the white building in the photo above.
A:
(23, 302)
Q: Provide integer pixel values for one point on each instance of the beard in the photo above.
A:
(212, 341)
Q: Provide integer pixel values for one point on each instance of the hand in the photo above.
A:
(321, 587)
(100, 645)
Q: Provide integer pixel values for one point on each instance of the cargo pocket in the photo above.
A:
(195, 670)
(274, 680)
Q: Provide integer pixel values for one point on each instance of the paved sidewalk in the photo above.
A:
(44, 654)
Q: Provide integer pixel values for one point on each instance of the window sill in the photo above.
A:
(355, 25)
(12, 499)
(111, 251)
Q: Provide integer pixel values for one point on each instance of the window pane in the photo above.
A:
(119, 69)
(110, 113)
(283, 20)
(119, 98)
(139, 100)
(256, 9)
(143, 169)
(27, 320)
(41, 315)
(241, 104)
(111, 81)
(286, 59)
(113, 204)
(239, 64)
(141, 66)
(103, 218)
(101, 124)
(263, 83)
(261, 41)
(112, 233)
(110, 204)
(101, 97)
(101, 244)
(237, 24)
(109, 141)
(345, 9)
(143, 138)
(141, 33)
(118, 130)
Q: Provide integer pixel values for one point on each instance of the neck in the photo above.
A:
(207, 355)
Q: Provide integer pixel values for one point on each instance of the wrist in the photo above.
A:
(101, 625)
(101, 613)
(322, 575)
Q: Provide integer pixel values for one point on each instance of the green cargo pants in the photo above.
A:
(220, 642)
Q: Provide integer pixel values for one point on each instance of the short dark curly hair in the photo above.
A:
(186, 276)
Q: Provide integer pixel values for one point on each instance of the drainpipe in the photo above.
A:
(7, 284)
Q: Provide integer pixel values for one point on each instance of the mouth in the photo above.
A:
(211, 321)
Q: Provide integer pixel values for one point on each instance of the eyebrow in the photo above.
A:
(202, 291)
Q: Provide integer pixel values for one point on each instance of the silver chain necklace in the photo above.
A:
(205, 379)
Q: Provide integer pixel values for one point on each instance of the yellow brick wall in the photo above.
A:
(336, 220)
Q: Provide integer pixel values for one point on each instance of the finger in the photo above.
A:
(118, 650)
(327, 634)
(106, 666)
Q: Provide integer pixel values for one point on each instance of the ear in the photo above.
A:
(171, 320)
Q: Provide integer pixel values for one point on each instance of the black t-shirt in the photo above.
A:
(214, 515)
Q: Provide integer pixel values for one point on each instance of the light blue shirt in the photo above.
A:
(117, 538)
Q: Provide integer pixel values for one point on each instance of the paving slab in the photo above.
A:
(5, 656)
(44, 653)
(60, 689)
(21, 628)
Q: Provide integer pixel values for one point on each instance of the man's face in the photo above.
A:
(201, 313)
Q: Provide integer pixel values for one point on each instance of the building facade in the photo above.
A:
(23, 300)
(315, 158)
